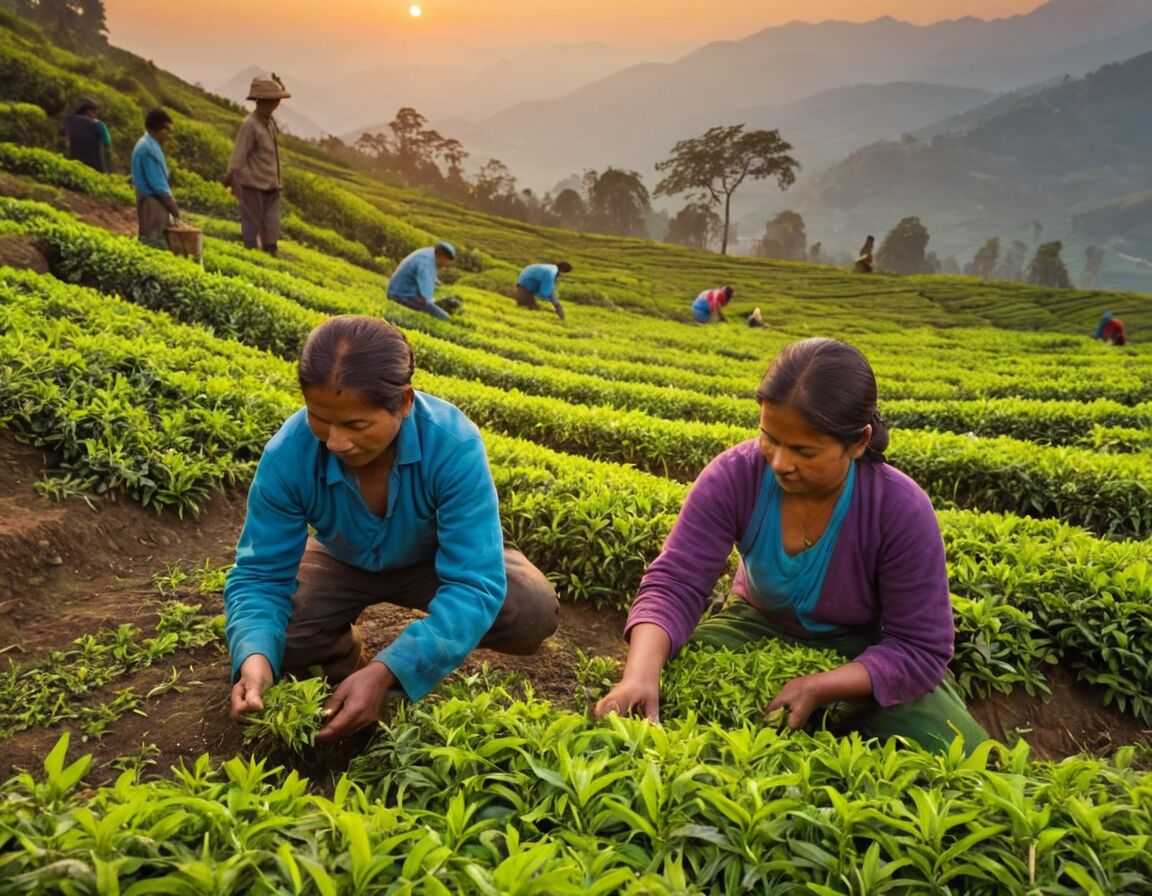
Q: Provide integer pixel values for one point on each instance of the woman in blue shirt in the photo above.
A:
(396, 488)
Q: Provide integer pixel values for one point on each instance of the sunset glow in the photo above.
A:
(343, 36)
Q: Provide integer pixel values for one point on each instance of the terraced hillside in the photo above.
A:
(138, 388)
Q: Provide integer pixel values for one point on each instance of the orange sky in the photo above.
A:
(194, 38)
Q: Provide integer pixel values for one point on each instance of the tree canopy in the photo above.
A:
(785, 237)
(72, 23)
(696, 226)
(618, 202)
(713, 165)
(902, 251)
(1047, 267)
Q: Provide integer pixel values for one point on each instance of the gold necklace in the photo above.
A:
(808, 542)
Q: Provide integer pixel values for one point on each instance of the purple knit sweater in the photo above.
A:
(887, 571)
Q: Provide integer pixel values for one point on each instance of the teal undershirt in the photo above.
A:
(778, 582)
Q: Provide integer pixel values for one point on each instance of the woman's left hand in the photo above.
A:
(802, 695)
(799, 698)
(357, 701)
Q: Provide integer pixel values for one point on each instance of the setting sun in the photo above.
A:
(414, 11)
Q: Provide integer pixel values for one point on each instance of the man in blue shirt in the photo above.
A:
(538, 281)
(155, 207)
(373, 493)
(413, 284)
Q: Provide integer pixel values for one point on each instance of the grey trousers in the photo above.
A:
(152, 218)
(331, 595)
(259, 217)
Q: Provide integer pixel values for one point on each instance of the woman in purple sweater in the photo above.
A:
(838, 550)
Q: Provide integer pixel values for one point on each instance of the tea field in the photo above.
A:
(149, 384)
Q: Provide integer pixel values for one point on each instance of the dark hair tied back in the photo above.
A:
(362, 354)
(831, 384)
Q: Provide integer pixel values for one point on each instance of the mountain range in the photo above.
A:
(980, 128)
(632, 118)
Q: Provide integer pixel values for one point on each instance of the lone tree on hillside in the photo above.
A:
(902, 251)
(785, 237)
(1047, 267)
(713, 165)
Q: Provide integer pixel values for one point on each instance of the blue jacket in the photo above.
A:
(442, 505)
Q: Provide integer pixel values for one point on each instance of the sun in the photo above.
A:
(414, 11)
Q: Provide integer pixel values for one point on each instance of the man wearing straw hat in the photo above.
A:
(254, 169)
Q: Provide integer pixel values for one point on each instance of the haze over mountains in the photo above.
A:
(833, 89)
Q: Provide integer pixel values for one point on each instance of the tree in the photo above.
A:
(453, 153)
(902, 251)
(715, 164)
(784, 237)
(413, 145)
(983, 263)
(1012, 264)
(1093, 261)
(696, 226)
(617, 202)
(73, 23)
(495, 190)
(569, 209)
(1047, 268)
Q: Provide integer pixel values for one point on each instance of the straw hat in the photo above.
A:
(267, 89)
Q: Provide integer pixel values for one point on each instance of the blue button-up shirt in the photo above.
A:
(149, 168)
(442, 505)
(415, 276)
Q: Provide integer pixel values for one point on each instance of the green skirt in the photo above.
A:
(932, 720)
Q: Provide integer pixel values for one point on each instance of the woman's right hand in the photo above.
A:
(255, 678)
(631, 698)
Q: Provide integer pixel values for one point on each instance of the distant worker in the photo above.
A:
(155, 207)
(755, 319)
(413, 284)
(706, 306)
(254, 170)
(1111, 329)
(88, 138)
(864, 263)
(538, 281)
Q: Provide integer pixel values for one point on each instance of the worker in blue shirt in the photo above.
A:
(155, 207)
(396, 489)
(538, 281)
(413, 283)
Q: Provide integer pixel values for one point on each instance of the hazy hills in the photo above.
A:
(1045, 156)
(618, 119)
(446, 88)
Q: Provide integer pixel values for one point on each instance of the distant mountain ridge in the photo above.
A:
(613, 121)
(1065, 151)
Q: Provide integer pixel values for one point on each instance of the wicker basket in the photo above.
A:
(186, 240)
